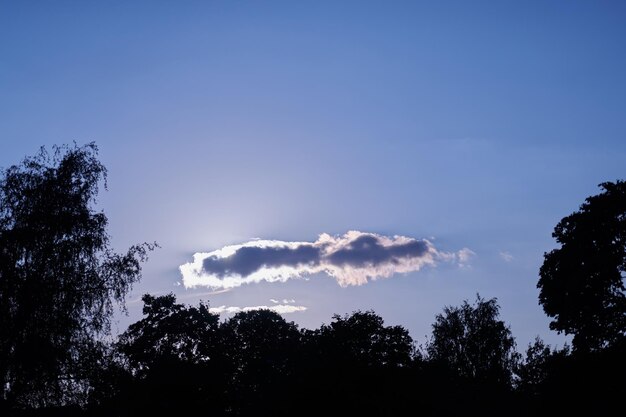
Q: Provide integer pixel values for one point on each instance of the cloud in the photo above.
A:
(284, 301)
(354, 258)
(464, 256)
(506, 256)
(280, 309)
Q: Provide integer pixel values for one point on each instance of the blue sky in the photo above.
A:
(472, 124)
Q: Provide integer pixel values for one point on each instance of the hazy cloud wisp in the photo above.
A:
(280, 309)
(352, 259)
(506, 256)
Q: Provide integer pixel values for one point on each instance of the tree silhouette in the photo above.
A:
(538, 366)
(176, 357)
(358, 365)
(261, 348)
(471, 341)
(560, 382)
(169, 330)
(582, 282)
(363, 338)
(59, 278)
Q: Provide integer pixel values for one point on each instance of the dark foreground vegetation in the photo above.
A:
(60, 282)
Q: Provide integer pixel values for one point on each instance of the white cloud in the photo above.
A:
(280, 309)
(354, 258)
(284, 301)
(464, 256)
(506, 256)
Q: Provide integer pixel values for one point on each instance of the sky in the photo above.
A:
(323, 157)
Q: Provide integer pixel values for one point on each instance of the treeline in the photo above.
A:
(181, 359)
(60, 281)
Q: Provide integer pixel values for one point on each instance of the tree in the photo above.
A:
(175, 357)
(169, 330)
(261, 347)
(582, 283)
(359, 365)
(471, 341)
(362, 337)
(59, 278)
(538, 366)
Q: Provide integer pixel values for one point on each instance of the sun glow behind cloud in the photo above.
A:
(354, 258)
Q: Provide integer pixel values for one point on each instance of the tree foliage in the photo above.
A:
(582, 282)
(472, 341)
(356, 363)
(262, 350)
(169, 331)
(538, 366)
(175, 357)
(59, 277)
(362, 337)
